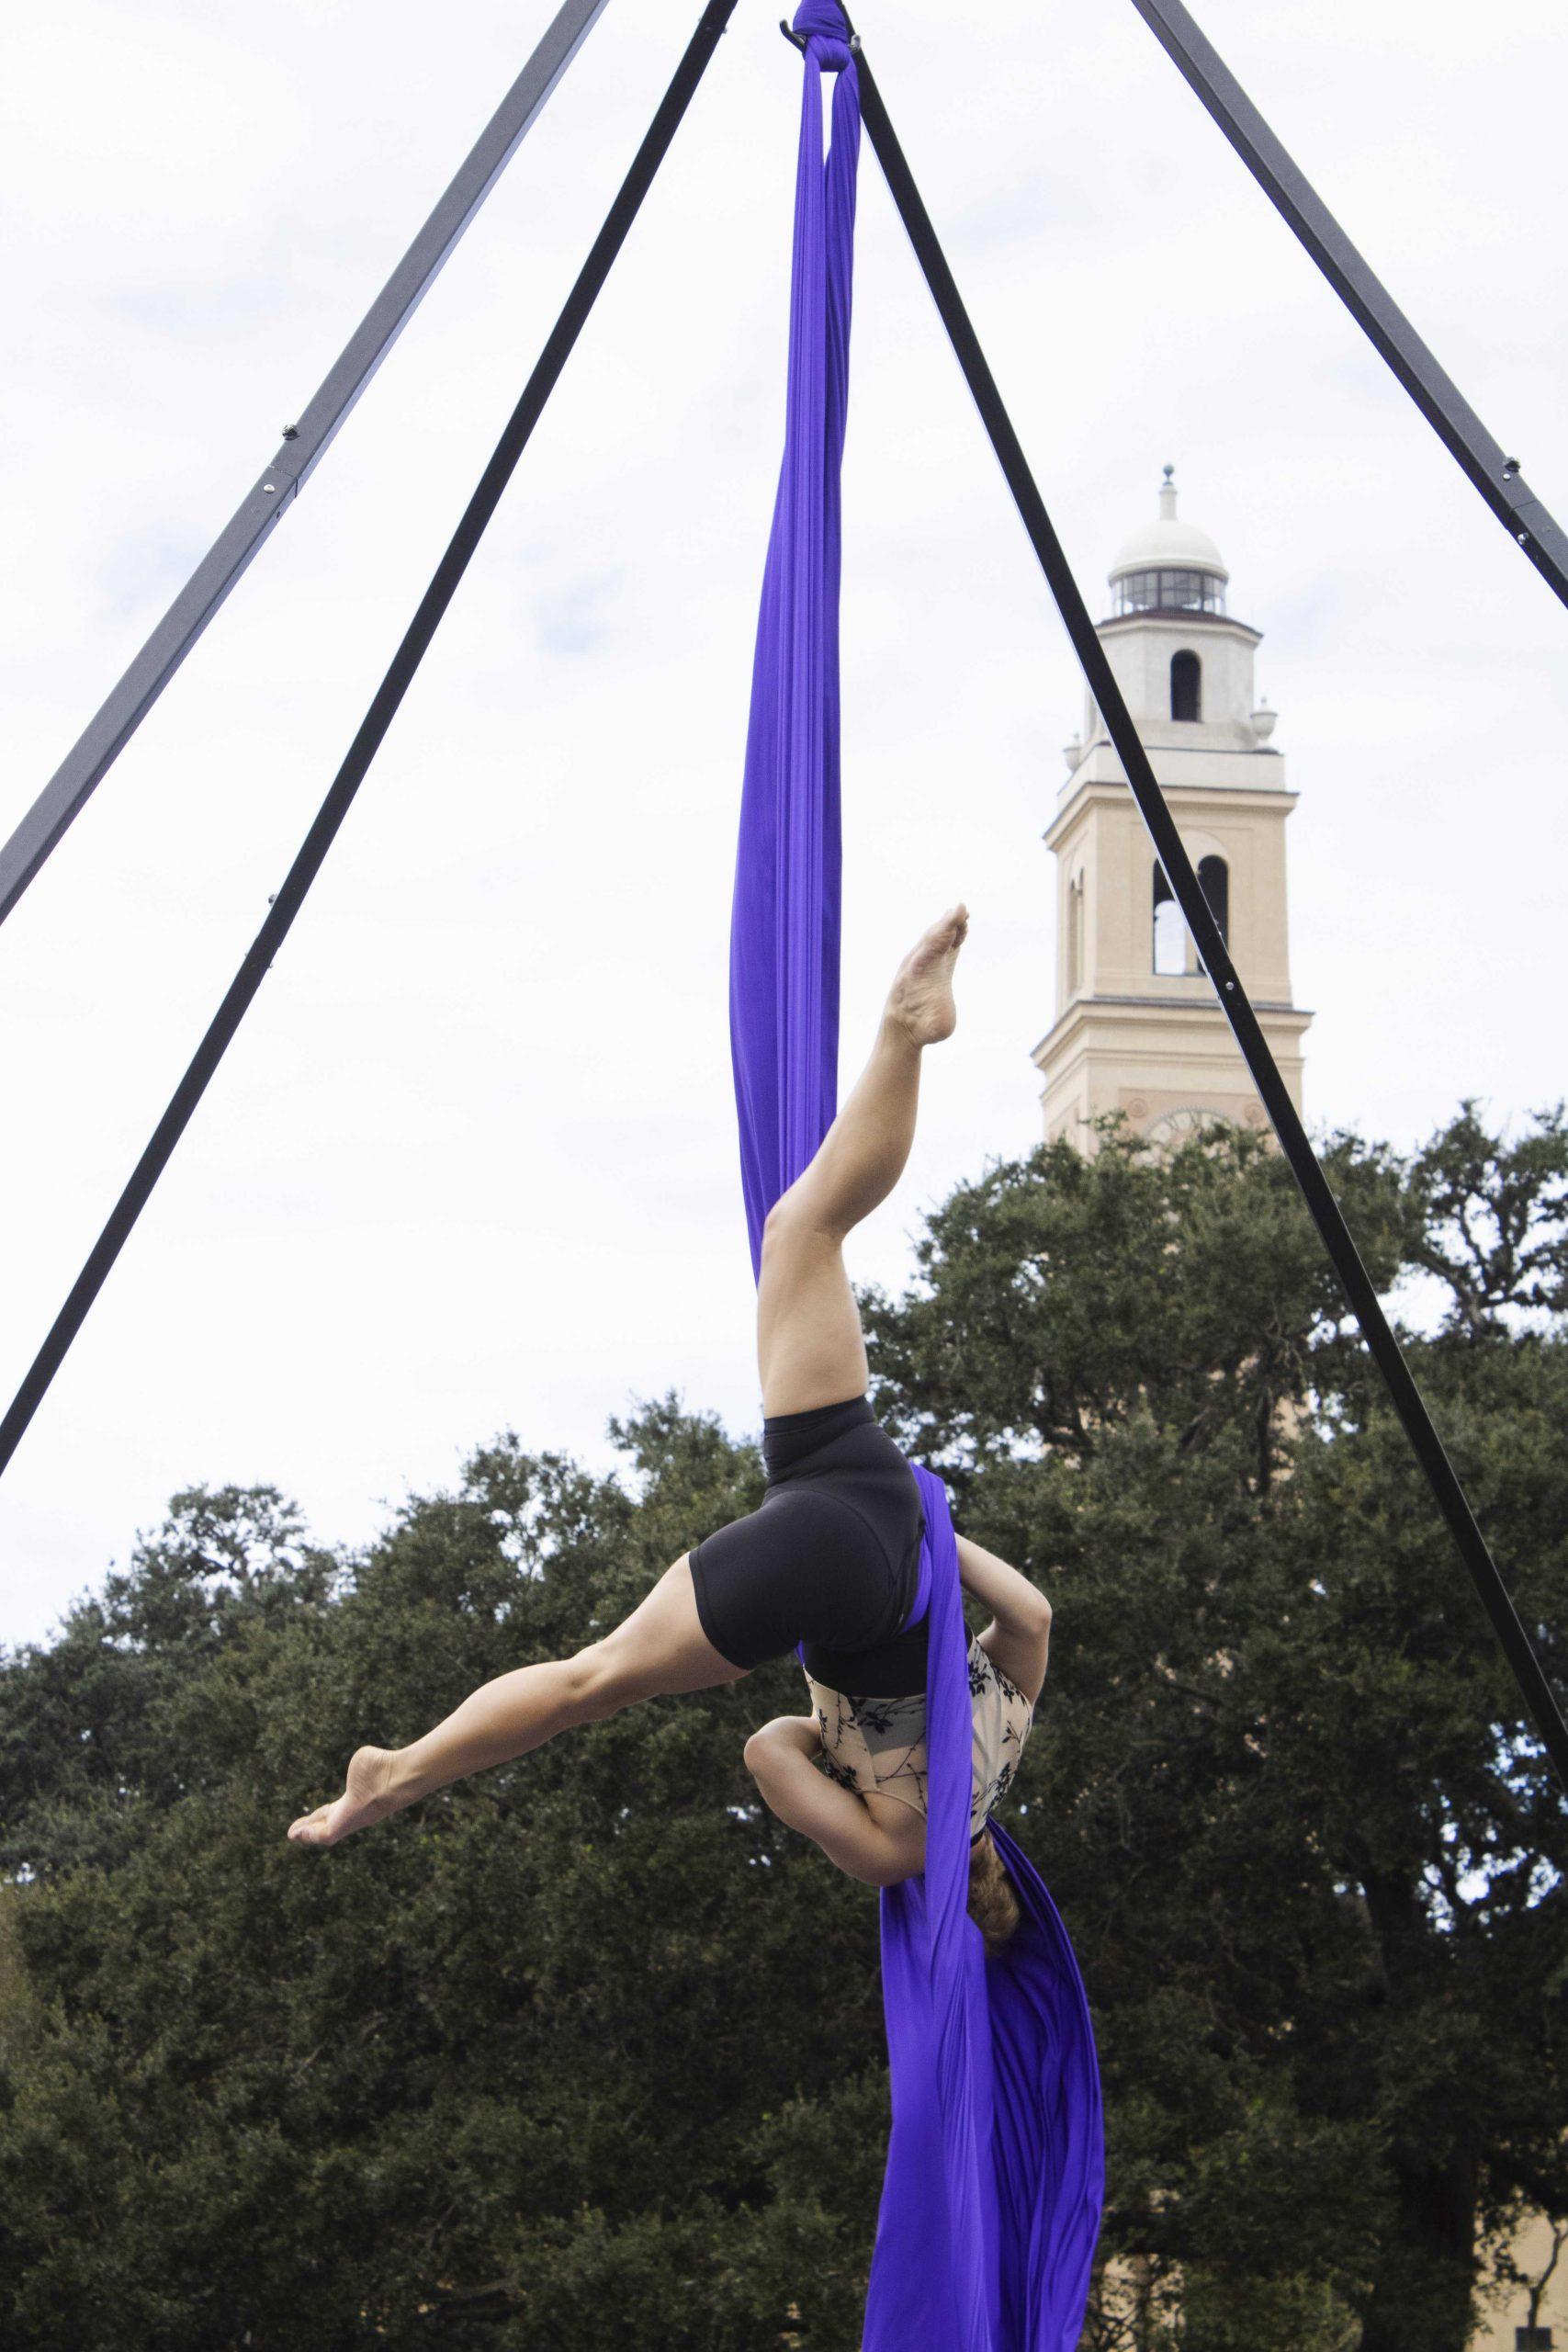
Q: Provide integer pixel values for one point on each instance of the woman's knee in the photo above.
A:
(599, 1683)
(780, 1226)
(794, 1231)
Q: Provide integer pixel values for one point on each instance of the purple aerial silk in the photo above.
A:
(783, 935)
(990, 2206)
(991, 2202)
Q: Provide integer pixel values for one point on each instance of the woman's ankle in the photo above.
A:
(896, 1034)
(405, 1784)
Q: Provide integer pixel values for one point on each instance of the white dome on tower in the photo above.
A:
(1167, 563)
(1136, 1032)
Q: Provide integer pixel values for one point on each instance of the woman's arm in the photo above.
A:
(1019, 1636)
(779, 1759)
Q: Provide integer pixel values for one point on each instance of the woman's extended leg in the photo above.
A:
(811, 1354)
(810, 1348)
(657, 1651)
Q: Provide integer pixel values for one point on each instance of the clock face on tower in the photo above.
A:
(1175, 1127)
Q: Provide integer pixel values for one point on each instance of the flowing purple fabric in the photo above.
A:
(990, 2206)
(784, 934)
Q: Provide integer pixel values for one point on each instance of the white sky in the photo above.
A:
(471, 1162)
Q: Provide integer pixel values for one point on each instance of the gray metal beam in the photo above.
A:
(290, 897)
(1535, 1689)
(1440, 399)
(303, 447)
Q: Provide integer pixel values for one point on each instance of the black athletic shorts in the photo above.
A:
(831, 1560)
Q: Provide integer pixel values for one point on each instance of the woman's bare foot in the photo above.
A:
(920, 999)
(370, 1797)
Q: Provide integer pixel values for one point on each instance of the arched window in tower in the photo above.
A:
(1186, 687)
(1170, 931)
(1074, 934)
(1214, 881)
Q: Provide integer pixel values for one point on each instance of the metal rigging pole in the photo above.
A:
(304, 444)
(1536, 1692)
(384, 708)
(1369, 301)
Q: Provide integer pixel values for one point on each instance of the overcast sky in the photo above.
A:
(471, 1162)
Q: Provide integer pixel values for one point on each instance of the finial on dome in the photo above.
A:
(1168, 562)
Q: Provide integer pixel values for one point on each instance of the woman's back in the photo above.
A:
(873, 1739)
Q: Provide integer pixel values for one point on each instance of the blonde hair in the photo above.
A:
(993, 1904)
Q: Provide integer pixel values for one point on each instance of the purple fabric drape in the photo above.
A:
(784, 936)
(990, 2206)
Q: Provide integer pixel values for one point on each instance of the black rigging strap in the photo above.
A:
(313, 849)
(1408, 1402)
(1449, 1496)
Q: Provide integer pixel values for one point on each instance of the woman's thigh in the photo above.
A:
(810, 1348)
(660, 1649)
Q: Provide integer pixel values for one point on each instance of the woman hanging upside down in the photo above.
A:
(829, 1562)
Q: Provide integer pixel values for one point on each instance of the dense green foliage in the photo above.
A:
(588, 2054)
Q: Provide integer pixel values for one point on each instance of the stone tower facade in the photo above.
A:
(1138, 1029)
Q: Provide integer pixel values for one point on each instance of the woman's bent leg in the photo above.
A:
(660, 1650)
(809, 1347)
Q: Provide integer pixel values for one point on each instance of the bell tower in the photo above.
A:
(1138, 1029)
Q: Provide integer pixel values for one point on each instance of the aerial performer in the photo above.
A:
(991, 2197)
(837, 1564)
(828, 1567)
